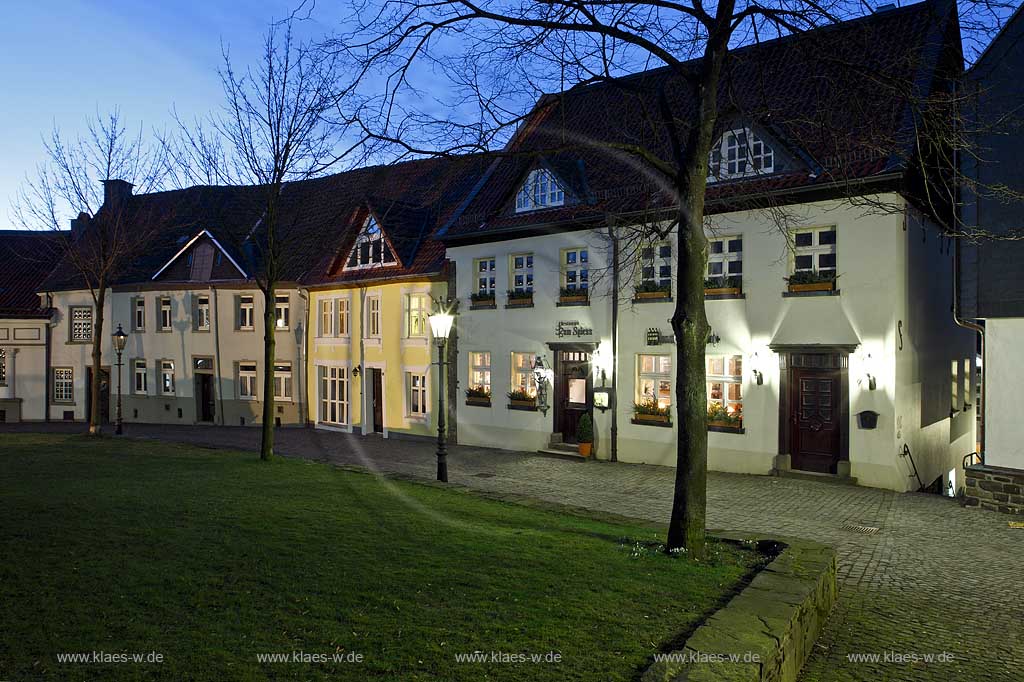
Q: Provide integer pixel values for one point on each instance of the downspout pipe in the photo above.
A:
(615, 343)
(216, 352)
(48, 360)
(302, 347)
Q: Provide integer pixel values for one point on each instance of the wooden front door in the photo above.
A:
(204, 397)
(573, 392)
(104, 395)
(816, 421)
(377, 395)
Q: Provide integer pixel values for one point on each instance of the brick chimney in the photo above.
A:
(116, 192)
(79, 225)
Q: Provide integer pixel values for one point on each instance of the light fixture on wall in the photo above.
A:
(755, 369)
(356, 370)
(542, 375)
(714, 339)
(869, 372)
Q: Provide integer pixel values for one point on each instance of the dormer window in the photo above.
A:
(540, 190)
(370, 249)
(740, 154)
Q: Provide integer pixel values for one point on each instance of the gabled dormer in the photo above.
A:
(540, 189)
(743, 150)
(371, 249)
(201, 258)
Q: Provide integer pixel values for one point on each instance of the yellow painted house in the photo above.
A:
(371, 360)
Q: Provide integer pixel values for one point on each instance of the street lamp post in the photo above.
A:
(441, 326)
(120, 339)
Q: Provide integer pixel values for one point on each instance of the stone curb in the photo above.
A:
(766, 633)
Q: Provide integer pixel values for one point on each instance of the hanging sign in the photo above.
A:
(565, 328)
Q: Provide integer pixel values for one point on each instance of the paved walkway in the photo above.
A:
(936, 578)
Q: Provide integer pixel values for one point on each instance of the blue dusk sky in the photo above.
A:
(63, 60)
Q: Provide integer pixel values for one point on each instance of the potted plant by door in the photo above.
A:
(809, 280)
(585, 435)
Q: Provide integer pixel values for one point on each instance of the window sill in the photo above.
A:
(649, 422)
(414, 341)
(519, 302)
(724, 297)
(801, 294)
(80, 343)
(63, 403)
(523, 408)
(245, 329)
(571, 303)
(726, 429)
(479, 402)
(652, 299)
(483, 306)
(372, 341)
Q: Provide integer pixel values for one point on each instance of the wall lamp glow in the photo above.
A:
(759, 377)
(869, 372)
(758, 374)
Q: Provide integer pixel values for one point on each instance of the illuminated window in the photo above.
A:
(654, 379)
(576, 270)
(480, 371)
(416, 309)
(282, 311)
(522, 273)
(522, 373)
(540, 190)
(484, 269)
(371, 248)
(738, 154)
(724, 384)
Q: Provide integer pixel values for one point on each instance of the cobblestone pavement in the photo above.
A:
(936, 578)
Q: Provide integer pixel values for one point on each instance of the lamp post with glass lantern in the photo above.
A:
(441, 327)
(120, 339)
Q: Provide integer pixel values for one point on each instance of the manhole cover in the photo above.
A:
(484, 474)
(863, 530)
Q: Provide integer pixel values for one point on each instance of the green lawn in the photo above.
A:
(210, 558)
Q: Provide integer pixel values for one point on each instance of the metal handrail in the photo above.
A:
(972, 458)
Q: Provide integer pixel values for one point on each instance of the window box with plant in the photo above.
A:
(648, 411)
(481, 299)
(723, 286)
(573, 296)
(520, 399)
(803, 281)
(585, 435)
(478, 395)
(519, 299)
(652, 291)
(721, 418)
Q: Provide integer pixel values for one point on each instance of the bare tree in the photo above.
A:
(273, 129)
(92, 176)
(498, 55)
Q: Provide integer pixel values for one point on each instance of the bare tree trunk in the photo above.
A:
(95, 409)
(269, 351)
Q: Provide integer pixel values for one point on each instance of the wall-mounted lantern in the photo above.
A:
(714, 339)
(869, 372)
(755, 369)
(543, 375)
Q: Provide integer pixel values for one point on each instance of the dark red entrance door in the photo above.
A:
(573, 391)
(815, 418)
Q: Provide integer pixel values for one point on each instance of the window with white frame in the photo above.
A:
(247, 381)
(282, 381)
(484, 269)
(342, 327)
(165, 315)
(203, 313)
(246, 313)
(522, 273)
(656, 265)
(371, 248)
(738, 154)
(416, 385)
(167, 377)
(725, 384)
(417, 307)
(540, 190)
(333, 395)
(81, 324)
(576, 270)
(326, 317)
(140, 314)
(141, 377)
(63, 385)
(372, 325)
(725, 259)
(480, 371)
(282, 311)
(654, 379)
(522, 373)
(814, 251)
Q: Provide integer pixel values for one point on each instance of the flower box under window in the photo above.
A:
(651, 418)
(482, 300)
(571, 296)
(721, 418)
(723, 286)
(521, 400)
(520, 299)
(807, 281)
(650, 411)
(650, 291)
(478, 396)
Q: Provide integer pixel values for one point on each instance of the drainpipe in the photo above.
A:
(967, 324)
(47, 359)
(615, 343)
(216, 352)
(302, 347)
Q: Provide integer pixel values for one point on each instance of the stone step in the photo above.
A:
(815, 476)
(563, 453)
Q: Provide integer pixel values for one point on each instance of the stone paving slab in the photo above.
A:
(937, 579)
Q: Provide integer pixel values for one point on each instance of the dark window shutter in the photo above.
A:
(238, 312)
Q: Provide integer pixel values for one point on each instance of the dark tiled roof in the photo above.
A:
(821, 93)
(26, 258)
